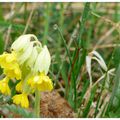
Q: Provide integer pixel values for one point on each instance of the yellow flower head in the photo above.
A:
(13, 72)
(19, 86)
(4, 88)
(21, 99)
(41, 82)
(8, 61)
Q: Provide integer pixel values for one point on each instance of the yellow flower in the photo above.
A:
(41, 82)
(21, 99)
(13, 72)
(7, 58)
(19, 86)
(8, 61)
(4, 88)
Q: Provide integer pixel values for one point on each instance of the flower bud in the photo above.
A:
(43, 61)
(31, 61)
(21, 43)
(23, 57)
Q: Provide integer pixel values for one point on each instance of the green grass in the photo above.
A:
(71, 31)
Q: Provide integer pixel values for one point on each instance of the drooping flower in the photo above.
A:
(32, 59)
(41, 82)
(21, 99)
(4, 88)
(21, 43)
(23, 57)
(24, 47)
(43, 61)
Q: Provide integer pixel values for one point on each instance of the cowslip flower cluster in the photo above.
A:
(28, 62)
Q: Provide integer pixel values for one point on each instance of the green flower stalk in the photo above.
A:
(37, 104)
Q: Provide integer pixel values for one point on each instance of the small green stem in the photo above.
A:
(37, 104)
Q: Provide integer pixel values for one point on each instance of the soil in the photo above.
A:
(54, 106)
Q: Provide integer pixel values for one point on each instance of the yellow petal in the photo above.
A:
(21, 99)
(8, 61)
(19, 86)
(4, 88)
(41, 82)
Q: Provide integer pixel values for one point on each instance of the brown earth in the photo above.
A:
(54, 106)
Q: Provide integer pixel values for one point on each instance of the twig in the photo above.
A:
(106, 100)
(106, 35)
(7, 37)
(29, 20)
(12, 12)
(108, 46)
(105, 19)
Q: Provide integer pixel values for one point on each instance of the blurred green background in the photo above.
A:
(71, 31)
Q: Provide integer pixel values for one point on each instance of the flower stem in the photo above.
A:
(37, 104)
